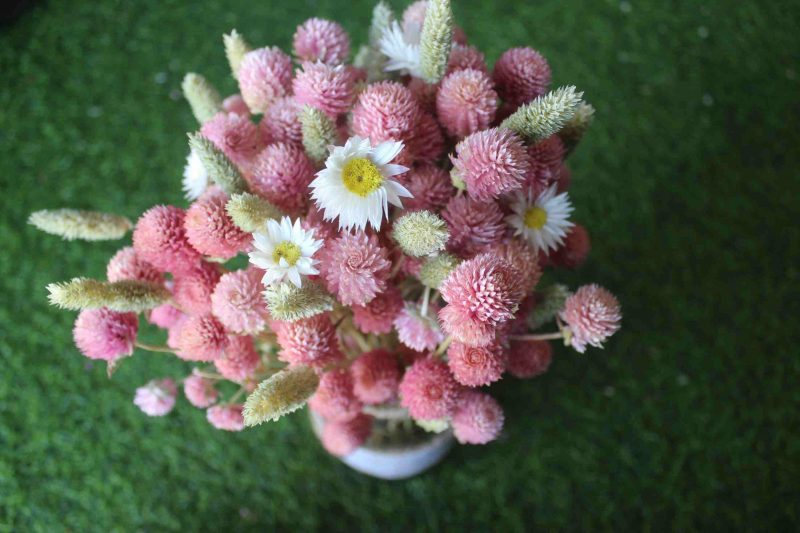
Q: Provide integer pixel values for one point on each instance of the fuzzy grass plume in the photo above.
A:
(319, 132)
(235, 49)
(576, 127)
(219, 167)
(436, 40)
(74, 224)
(280, 394)
(420, 233)
(126, 296)
(436, 269)
(250, 212)
(288, 302)
(203, 98)
(544, 116)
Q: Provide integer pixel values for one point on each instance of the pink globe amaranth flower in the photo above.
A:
(234, 134)
(309, 341)
(428, 143)
(417, 332)
(464, 56)
(527, 359)
(375, 377)
(281, 122)
(159, 239)
(574, 250)
(201, 338)
(593, 314)
(424, 93)
(564, 179)
(464, 327)
(430, 186)
(466, 102)
(491, 162)
(281, 174)
(126, 265)
(475, 366)
(356, 267)
(485, 288)
(521, 74)
(236, 104)
(522, 256)
(414, 17)
(474, 226)
(545, 159)
(157, 398)
(459, 35)
(165, 316)
(378, 314)
(264, 75)
(385, 111)
(192, 289)
(240, 359)
(226, 417)
(174, 331)
(335, 399)
(477, 419)
(428, 390)
(321, 40)
(327, 88)
(211, 231)
(199, 391)
(323, 229)
(238, 304)
(341, 438)
(105, 334)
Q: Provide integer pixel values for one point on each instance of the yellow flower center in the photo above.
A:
(286, 250)
(361, 176)
(535, 218)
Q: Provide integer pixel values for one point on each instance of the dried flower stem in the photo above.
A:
(538, 336)
(426, 296)
(154, 348)
(443, 346)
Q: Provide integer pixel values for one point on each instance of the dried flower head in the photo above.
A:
(378, 315)
(491, 162)
(235, 49)
(428, 390)
(280, 394)
(435, 269)
(477, 419)
(321, 40)
(475, 366)
(126, 265)
(466, 102)
(281, 173)
(319, 132)
(237, 303)
(430, 186)
(527, 359)
(235, 135)
(324, 87)
(592, 314)
(549, 302)
(545, 115)
(545, 160)
(165, 316)
(211, 231)
(524, 257)
(157, 398)
(219, 166)
(203, 98)
(199, 391)
(335, 399)
(105, 334)
(385, 110)
(281, 122)
(287, 302)
(193, 287)
(474, 225)
(436, 40)
(239, 360)
(126, 295)
(264, 75)
(309, 341)
(575, 128)
(575, 249)
(463, 56)
(417, 331)
(160, 239)
(376, 376)
(74, 224)
(355, 267)
(420, 233)
(201, 338)
(250, 212)
(226, 417)
(521, 74)
(341, 438)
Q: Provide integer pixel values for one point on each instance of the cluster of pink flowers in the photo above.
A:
(427, 331)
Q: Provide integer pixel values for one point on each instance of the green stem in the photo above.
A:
(443, 346)
(538, 336)
(154, 348)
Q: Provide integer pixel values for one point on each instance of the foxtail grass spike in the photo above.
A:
(436, 40)
(544, 116)
(434, 271)
(382, 17)
(219, 167)
(549, 302)
(280, 394)
(74, 224)
(235, 49)
(203, 98)
(250, 212)
(575, 128)
(288, 302)
(319, 132)
(125, 296)
(420, 233)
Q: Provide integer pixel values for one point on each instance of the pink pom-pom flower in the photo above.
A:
(593, 314)
(105, 334)
(375, 377)
(466, 102)
(527, 359)
(474, 226)
(310, 341)
(226, 417)
(475, 366)
(239, 360)
(327, 88)
(264, 75)
(424, 93)
(126, 265)
(235, 104)
(491, 162)
(281, 174)
(201, 338)
(341, 438)
(524, 258)
(193, 288)
(355, 267)
(431, 187)
(281, 122)
(157, 398)
(238, 304)
(234, 134)
(379, 313)
(478, 418)
(160, 239)
(464, 327)
(165, 316)
(199, 391)
(211, 231)
(385, 111)
(464, 56)
(418, 332)
(321, 40)
(545, 159)
(428, 390)
(575, 249)
(521, 74)
(335, 399)
(427, 144)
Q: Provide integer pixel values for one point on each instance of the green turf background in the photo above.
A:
(690, 419)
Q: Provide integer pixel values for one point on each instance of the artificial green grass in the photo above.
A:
(690, 419)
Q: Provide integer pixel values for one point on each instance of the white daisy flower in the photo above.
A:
(402, 49)
(355, 184)
(285, 251)
(542, 221)
(195, 177)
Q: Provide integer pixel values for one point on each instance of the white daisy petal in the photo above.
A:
(284, 250)
(385, 152)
